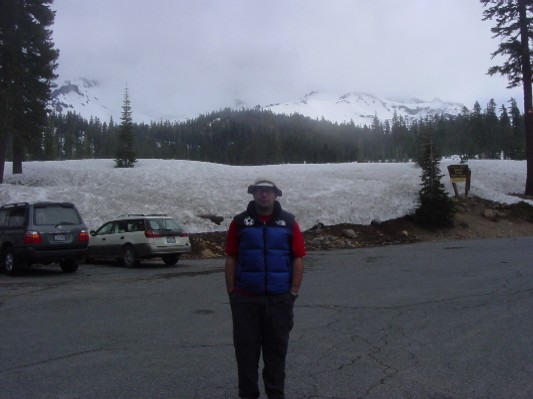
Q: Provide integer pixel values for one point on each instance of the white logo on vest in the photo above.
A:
(248, 221)
(280, 222)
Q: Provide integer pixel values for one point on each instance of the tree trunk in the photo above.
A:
(3, 145)
(4, 132)
(528, 94)
(18, 154)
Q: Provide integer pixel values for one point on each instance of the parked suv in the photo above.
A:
(130, 238)
(41, 233)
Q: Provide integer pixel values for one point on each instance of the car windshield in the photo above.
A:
(164, 224)
(56, 214)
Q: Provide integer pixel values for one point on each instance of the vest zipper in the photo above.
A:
(265, 257)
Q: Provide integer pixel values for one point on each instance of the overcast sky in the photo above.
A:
(185, 57)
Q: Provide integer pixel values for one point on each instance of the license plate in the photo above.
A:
(59, 237)
(171, 240)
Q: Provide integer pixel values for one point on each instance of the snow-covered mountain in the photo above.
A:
(361, 108)
(83, 97)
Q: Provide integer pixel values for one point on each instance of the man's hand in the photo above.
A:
(297, 274)
(229, 271)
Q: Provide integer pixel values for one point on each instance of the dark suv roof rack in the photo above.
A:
(15, 204)
(38, 203)
(144, 214)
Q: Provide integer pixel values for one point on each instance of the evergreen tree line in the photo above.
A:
(256, 137)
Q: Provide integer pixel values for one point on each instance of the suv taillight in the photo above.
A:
(83, 236)
(151, 234)
(32, 237)
(183, 234)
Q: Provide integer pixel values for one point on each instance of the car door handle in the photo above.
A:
(122, 237)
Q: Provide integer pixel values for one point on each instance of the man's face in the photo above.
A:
(264, 198)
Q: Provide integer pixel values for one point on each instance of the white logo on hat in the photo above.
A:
(248, 221)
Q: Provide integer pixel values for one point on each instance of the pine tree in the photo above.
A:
(435, 208)
(475, 128)
(27, 64)
(492, 140)
(125, 155)
(517, 123)
(506, 133)
(514, 26)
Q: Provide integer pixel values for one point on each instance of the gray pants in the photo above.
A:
(261, 324)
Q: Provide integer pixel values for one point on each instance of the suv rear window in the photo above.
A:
(17, 217)
(56, 214)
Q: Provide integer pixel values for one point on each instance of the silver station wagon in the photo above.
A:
(133, 237)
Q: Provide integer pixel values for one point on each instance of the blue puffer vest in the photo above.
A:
(264, 261)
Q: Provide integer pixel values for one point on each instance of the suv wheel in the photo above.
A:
(8, 262)
(69, 266)
(129, 256)
(170, 260)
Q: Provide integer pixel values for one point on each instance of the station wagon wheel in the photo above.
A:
(170, 260)
(129, 256)
(8, 262)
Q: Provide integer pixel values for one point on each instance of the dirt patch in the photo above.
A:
(475, 218)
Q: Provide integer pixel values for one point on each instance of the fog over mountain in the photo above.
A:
(82, 96)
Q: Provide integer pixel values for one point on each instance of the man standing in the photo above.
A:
(264, 269)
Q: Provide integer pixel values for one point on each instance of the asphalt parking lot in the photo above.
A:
(431, 320)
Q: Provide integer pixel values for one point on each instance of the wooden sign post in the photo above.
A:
(460, 174)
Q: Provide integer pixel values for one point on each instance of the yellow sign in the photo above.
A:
(458, 179)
